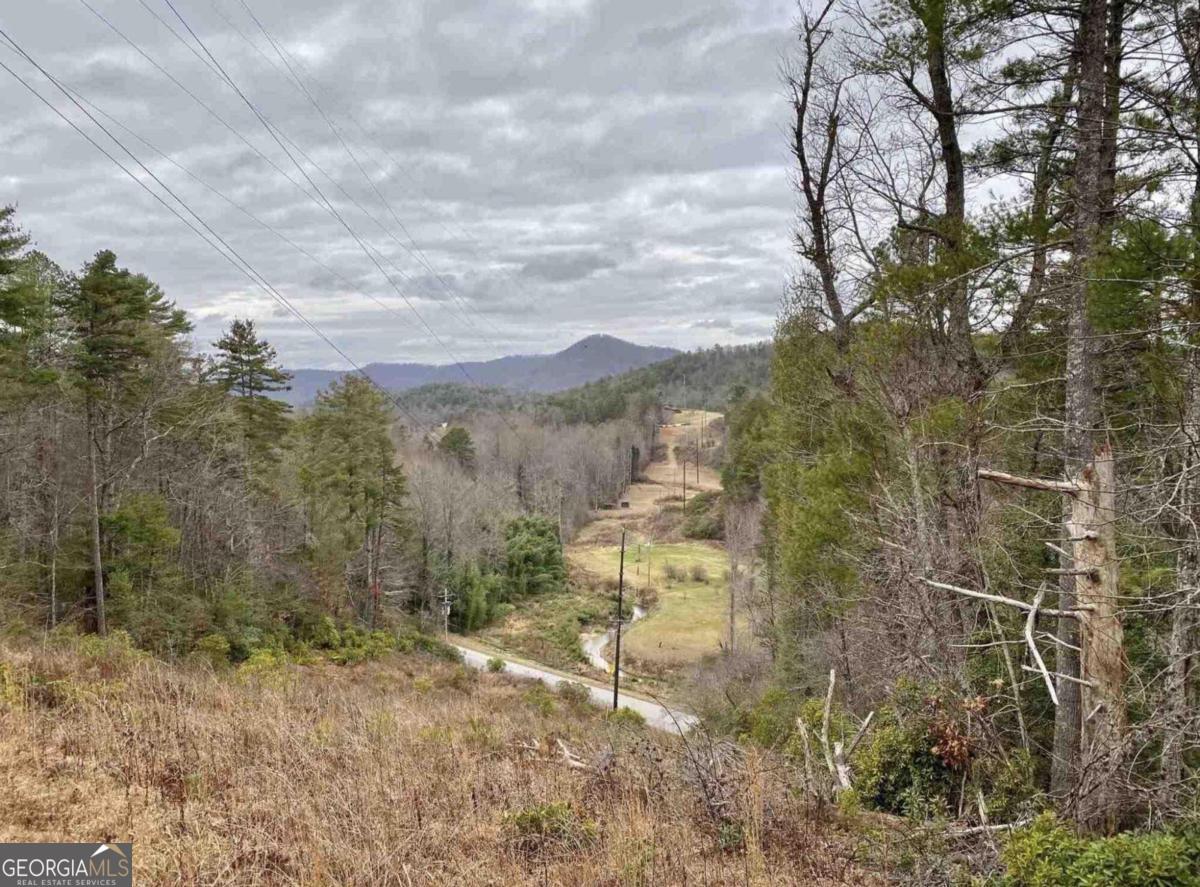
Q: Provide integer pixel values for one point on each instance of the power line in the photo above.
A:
(462, 233)
(416, 251)
(214, 190)
(276, 133)
(232, 256)
(316, 188)
(325, 206)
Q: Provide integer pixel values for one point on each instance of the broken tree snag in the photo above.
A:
(1031, 483)
(837, 754)
(1102, 644)
(1000, 599)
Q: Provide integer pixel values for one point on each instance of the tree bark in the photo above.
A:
(1081, 403)
(1102, 645)
(953, 226)
(97, 556)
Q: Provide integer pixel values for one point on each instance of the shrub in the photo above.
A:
(699, 573)
(111, 655)
(647, 596)
(673, 572)
(575, 695)
(1046, 854)
(324, 634)
(213, 649)
(898, 772)
(360, 646)
(1011, 787)
(626, 717)
(539, 698)
(410, 640)
(495, 665)
(556, 826)
(703, 517)
(266, 665)
(462, 679)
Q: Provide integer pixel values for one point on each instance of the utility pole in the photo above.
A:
(685, 481)
(697, 463)
(620, 607)
(560, 519)
(446, 611)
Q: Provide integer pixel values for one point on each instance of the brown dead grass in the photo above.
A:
(405, 771)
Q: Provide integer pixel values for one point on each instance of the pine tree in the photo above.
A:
(457, 444)
(353, 484)
(118, 323)
(20, 302)
(248, 367)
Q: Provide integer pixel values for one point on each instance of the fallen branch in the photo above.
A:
(1037, 656)
(1000, 599)
(1057, 674)
(1032, 483)
(837, 754)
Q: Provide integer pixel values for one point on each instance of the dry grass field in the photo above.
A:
(406, 770)
(690, 616)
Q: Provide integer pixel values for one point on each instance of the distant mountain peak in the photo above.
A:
(598, 339)
(589, 359)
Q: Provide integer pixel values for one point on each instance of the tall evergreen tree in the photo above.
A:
(248, 367)
(119, 323)
(353, 485)
(457, 444)
(19, 300)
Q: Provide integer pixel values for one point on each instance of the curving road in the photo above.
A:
(594, 642)
(657, 715)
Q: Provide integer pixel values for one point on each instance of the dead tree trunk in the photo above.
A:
(1102, 645)
(1081, 412)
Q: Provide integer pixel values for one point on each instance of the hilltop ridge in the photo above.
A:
(587, 360)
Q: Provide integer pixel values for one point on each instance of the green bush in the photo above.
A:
(771, 722)
(1046, 854)
(624, 716)
(213, 649)
(556, 826)
(539, 698)
(703, 519)
(410, 640)
(360, 646)
(111, 655)
(897, 772)
(575, 695)
(495, 665)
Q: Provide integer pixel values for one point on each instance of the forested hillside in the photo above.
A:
(707, 378)
(590, 358)
(977, 462)
(154, 491)
(712, 376)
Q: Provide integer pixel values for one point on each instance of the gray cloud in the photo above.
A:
(597, 165)
(563, 267)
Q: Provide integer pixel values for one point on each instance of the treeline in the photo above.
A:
(708, 378)
(977, 466)
(152, 489)
(453, 401)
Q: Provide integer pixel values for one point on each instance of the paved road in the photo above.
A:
(656, 715)
(594, 642)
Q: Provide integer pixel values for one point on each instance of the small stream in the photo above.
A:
(594, 642)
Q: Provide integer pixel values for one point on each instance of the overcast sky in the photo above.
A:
(525, 173)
